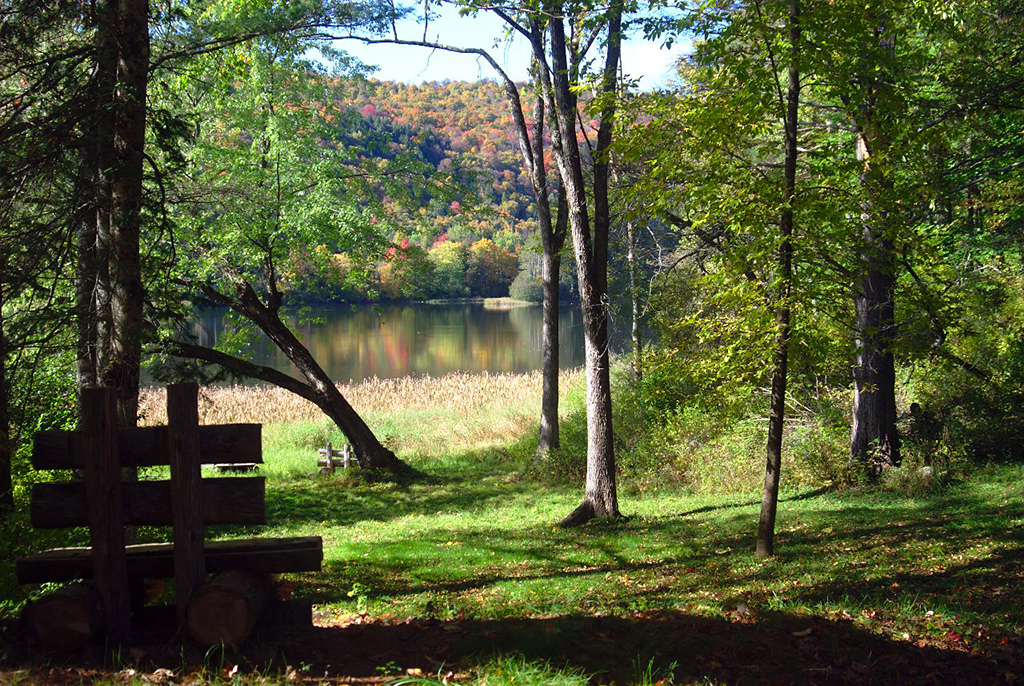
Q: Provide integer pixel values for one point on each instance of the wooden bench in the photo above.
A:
(186, 502)
(328, 463)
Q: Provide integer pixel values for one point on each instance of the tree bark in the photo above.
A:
(784, 262)
(6, 482)
(874, 442)
(634, 303)
(94, 189)
(109, 291)
(548, 439)
(591, 251)
(552, 240)
(127, 294)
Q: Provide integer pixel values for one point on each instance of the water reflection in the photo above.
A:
(392, 341)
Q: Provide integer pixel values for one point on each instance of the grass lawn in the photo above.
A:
(461, 577)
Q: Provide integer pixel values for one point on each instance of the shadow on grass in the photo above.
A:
(807, 495)
(475, 479)
(901, 560)
(776, 649)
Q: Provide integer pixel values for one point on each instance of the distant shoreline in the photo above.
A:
(489, 303)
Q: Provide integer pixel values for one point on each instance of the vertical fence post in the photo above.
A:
(106, 526)
(186, 493)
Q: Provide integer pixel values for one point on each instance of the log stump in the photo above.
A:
(225, 610)
(66, 619)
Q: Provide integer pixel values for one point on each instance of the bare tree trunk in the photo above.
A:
(784, 261)
(600, 498)
(634, 302)
(552, 233)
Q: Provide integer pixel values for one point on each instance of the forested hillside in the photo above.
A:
(465, 237)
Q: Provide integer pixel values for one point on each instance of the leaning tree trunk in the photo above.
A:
(371, 453)
(317, 386)
(784, 261)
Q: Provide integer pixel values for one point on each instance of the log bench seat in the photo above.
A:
(222, 609)
(156, 560)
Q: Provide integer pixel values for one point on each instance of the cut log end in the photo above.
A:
(225, 611)
(66, 619)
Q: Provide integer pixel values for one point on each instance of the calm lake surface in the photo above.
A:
(390, 341)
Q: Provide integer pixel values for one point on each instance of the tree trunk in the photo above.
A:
(318, 387)
(552, 236)
(874, 442)
(591, 252)
(93, 288)
(6, 482)
(548, 439)
(371, 453)
(784, 261)
(634, 302)
(127, 294)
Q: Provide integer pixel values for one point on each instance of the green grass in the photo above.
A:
(475, 541)
(478, 542)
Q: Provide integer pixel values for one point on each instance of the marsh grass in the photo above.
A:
(459, 393)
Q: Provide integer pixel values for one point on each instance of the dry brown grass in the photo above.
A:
(459, 394)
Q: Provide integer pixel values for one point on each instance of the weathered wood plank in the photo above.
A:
(99, 449)
(186, 493)
(148, 446)
(226, 500)
(156, 560)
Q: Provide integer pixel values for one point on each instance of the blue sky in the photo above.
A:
(641, 59)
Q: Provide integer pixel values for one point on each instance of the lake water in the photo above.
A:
(390, 341)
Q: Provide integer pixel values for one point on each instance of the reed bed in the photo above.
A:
(458, 393)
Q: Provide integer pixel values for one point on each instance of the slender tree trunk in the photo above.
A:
(548, 439)
(93, 222)
(600, 498)
(6, 482)
(552, 232)
(784, 261)
(122, 371)
(634, 302)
